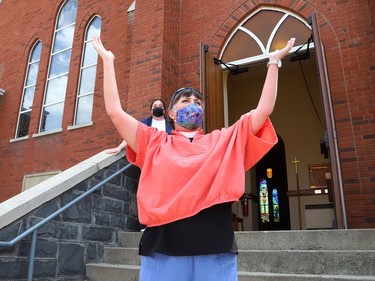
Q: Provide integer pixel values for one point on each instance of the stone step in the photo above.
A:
(357, 239)
(341, 262)
(112, 272)
(105, 272)
(337, 255)
(319, 262)
(118, 255)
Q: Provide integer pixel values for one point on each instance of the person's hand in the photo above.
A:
(280, 54)
(114, 151)
(103, 53)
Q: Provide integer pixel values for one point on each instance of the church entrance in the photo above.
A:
(289, 187)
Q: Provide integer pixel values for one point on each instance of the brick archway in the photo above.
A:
(336, 43)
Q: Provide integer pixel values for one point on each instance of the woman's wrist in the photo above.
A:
(276, 62)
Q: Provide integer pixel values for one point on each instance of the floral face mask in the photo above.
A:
(190, 117)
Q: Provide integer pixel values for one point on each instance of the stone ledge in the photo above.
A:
(23, 203)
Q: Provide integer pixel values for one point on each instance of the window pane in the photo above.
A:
(95, 28)
(36, 52)
(60, 63)
(263, 23)
(56, 89)
(292, 27)
(52, 117)
(241, 46)
(23, 124)
(28, 98)
(87, 80)
(28, 91)
(263, 201)
(68, 13)
(63, 39)
(84, 109)
(91, 56)
(33, 73)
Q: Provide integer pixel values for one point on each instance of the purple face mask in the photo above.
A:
(189, 117)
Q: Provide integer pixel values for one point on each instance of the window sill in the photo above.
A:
(37, 135)
(19, 139)
(74, 127)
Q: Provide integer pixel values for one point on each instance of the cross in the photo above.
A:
(296, 162)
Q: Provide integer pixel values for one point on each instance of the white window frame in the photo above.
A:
(265, 49)
(82, 68)
(25, 87)
(49, 78)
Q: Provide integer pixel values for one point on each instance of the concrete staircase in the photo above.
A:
(277, 255)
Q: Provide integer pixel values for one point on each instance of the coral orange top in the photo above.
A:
(180, 178)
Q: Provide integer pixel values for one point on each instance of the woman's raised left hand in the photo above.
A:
(280, 54)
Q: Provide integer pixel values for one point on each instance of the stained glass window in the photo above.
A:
(54, 97)
(263, 201)
(275, 205)
(28, 91)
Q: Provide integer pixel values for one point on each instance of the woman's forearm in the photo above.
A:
(125, 124)
(267, 99)
(111, 95)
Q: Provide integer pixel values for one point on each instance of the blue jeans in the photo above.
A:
(159, 267)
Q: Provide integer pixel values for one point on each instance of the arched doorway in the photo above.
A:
(298, 115)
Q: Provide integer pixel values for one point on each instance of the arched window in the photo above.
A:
(85, 92)
(263, 201)
(54, 97)
(275, 205)
(264, 31)
(28, 91)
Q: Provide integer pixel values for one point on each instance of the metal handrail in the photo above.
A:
(35, 227)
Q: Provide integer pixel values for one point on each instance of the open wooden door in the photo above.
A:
(330, 125)
(211, 79)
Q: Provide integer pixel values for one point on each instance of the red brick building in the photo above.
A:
(53, 116)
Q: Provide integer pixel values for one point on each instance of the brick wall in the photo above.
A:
(157, 51)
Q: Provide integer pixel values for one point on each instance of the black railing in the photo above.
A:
(34, 229)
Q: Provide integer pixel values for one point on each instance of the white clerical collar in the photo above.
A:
(189, 135)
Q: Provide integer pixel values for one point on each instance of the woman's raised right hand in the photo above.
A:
(103, 52)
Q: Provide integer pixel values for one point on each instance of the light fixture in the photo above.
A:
(2, 92)
(269, 173)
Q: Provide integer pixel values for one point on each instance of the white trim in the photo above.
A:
(74, 127)
(252, 35)
(50, 132)
(265, 50)
(19, 139)
(263, 57)
(274, 31)
(132, 7)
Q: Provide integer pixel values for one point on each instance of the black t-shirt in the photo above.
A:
(208, 232)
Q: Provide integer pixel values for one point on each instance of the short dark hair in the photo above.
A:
(184, 92)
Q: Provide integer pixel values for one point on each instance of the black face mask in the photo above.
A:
(158, 111)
